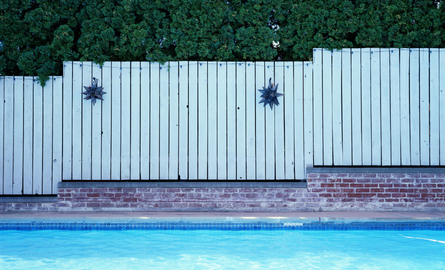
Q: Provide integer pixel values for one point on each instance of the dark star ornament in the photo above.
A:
(270, 95)
(93, 91)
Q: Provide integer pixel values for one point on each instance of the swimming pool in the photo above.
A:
(177, 245)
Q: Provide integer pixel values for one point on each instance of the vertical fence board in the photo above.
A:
(86, 124)
(376, 153)
(57, 132)
(260, 131)
(308, 116)
(293, 104)
(193, 120)
(337, 139)
(116, 120)
(202, 120)
(434, 99)
(250, 120)
(67, 119)
(38, 140)
(404, 107)
(414, 105)
(385, 107)
(231, 120)
(294, 125)
(222, 118)
(8, 143)
(327, 107)
(47, 136)
(442, 106)
(96, 130)
(394, 69)
(318, 104)
(145, 121)
(125, 121)
(17, 186)
(241, 121)
(163, 121)
(106, 122)
(424, 118)
(27, 135)
(366, 107)
(154, 120)
(212, 122)
(2, 130)
(356, 108)
(77, 120)
(279, 125)
(173, 121)
(135, 104)
(183, 119)
(270, 127)
(346, 106)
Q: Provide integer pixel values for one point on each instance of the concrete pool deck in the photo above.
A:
(225, 216)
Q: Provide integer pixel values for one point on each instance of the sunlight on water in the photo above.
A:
(212, 249)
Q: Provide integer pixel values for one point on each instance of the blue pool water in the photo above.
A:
(219, 249)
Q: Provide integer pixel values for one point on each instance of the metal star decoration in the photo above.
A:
(270, 95)
(93, 91)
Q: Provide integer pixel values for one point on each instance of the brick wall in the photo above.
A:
(28, 207)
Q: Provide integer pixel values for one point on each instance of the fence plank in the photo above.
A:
(27, 135)
(231, 120)
(86, 124)
(67, 120)
(154, 120)
(424, 118)
(385, 107)
(106, 121)
(279, 124)
(318, 103)
(145, 121)
(38, 140)
(414, 106)
(8, 143)
(135, 104)
(356, 108)
(163, 121)
(116, 120)
(250, 120)
(126, 121)
(193, 121)
(337, 145)
(260, 131)
(270, 127)
(47, 136)
(183, 119)
(77, 121)
(376, 152)
(96, 130)
(241, 121)
(57, 132)
(212, 122)
(327, 107)
(434, 99)
(17, 186)
(173, 121)
(222, 121)
(346, 106)
(442, 106)
(294, 125)
(404, 107)
(202, 120)
(394, 67)
(2, 130)
(292, 101)
(308, 116)
(366, 106)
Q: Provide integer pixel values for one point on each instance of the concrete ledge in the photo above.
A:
(184, 184)
(28, 199)
(434, 170)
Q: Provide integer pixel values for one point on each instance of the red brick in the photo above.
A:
(404, 190)
(115, 190)
(400, 185)
(85, 190)
(421, 200)
(325, 195)
(384, 175)
(354, 195)
(93, 194)
(327, 185)
(441, 185)
(398, 195)
(372, 185)
(252, 195)
(413, 195)
(312, 175)
(436, 181)
(130, 200)
(385, 185)
(398, 175)
(436, 190)
(369, 195)
(355, 175)
(347, 190)
(428, 195)
(379, 190)
(392, 180)
(106, 204)
(333, 190)
(356, 185)
(339, 195)
(414, 185)
(278, 195)
(347, 180)
(428, 175)
(93, 204)
(341, 185)
(408, 180)
(362, 190)
(383, 195)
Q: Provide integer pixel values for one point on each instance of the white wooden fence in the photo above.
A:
(202, 120)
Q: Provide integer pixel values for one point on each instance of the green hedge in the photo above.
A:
(38, 35)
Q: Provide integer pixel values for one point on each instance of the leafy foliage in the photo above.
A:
(38, 35)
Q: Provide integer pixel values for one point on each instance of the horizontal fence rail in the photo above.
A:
(203, 120)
